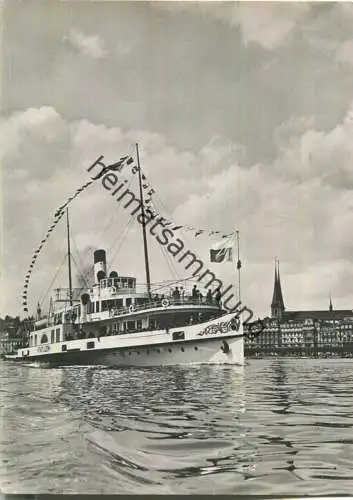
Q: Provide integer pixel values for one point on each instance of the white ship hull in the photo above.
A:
(213, 342)
(207, 352)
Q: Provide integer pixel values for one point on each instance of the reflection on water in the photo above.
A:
(281, 427)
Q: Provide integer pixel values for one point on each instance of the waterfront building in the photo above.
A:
(311, 332)
(8, 342)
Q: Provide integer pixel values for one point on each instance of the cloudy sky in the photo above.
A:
(244, 116)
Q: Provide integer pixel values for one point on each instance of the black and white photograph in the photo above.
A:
(176, 257)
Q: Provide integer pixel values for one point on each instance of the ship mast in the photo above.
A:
(69, 255)
(145, 248)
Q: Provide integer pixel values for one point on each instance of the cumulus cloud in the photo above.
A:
(267, 23)
(91, 46)
(297, 207)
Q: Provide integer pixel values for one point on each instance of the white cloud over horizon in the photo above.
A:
(266, 23)
(243, 114)
(91, 46)
(301, 218)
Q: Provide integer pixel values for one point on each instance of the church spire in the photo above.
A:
(277, 305)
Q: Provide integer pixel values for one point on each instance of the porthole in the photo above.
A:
(169, 350)
(182, 349)
(159, 351)
(196, 348)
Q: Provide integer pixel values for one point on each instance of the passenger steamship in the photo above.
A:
(117, 322)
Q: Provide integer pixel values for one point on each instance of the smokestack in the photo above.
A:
(100, 266)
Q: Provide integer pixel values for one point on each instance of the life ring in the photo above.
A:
(131, 308)
(234, 323)
(165, 303)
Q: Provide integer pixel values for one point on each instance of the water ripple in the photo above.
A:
(278, 427)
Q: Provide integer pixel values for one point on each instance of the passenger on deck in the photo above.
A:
(194, 292)
(218, 297)
(209, 297)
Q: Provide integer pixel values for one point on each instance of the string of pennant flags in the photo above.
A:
(149, 192)
(57, 217)
(197, 232)
(149, 206)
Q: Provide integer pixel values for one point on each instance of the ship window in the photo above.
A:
(64, 347)
(129, 353)
(57, 335)
(44, 339)
(159, 351)
(97, 307)
(169, 350)
(90, 345)
(196, 348)
(131, 325)
(178, 335)
(52, 336)
(182, 349)
(35, 340)
(128, 302)
(122, 353)
(139, 324)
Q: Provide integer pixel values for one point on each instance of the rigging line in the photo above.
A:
(172, 219)
(91, 267)
(130, 152)
(121, 235)
(169, 264)
(122, 238)
(51, 284)
(82, 270)
(57, 216)
(115, 213)
(80, 273)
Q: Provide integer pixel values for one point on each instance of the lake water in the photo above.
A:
(279, 426)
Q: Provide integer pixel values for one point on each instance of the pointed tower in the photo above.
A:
(330, 308)
(277, 305)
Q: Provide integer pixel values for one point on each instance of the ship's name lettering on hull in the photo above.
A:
(43, 348)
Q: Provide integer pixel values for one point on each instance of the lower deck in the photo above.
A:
(171, 344)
